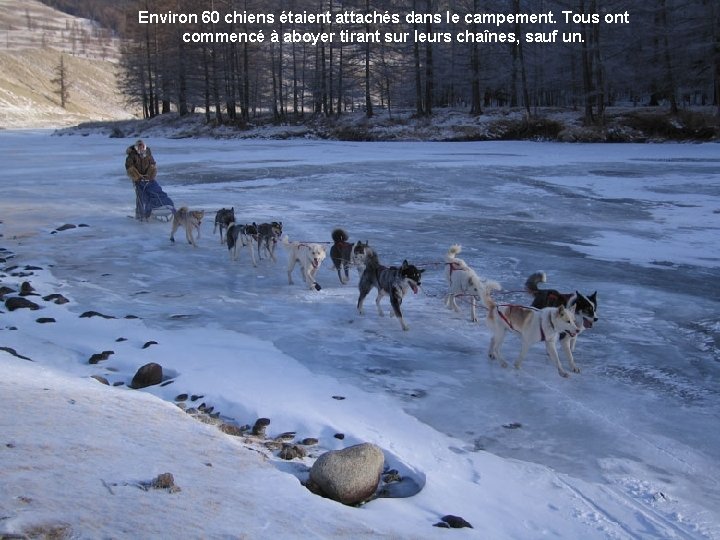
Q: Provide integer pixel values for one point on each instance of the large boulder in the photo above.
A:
(350, 476)
(148, 375)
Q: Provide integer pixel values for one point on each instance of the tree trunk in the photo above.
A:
(429, 80)
(368, 97)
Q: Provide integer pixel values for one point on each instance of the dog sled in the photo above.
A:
(153, 202)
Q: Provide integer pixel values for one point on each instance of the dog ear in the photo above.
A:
(405, 264)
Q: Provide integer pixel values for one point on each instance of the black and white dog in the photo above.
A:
(392, 281)
(344, 254)
(239, 236)
(223, 218)
(586, 309)
(268, 235)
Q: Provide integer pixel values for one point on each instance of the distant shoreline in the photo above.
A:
(623, 125)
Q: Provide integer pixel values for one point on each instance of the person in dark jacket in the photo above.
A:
(142, 169)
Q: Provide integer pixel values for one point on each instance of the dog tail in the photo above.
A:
(453, 252)
(229, 236)
(531, 283)
(487, 298)
(371, 259)
(339, 235)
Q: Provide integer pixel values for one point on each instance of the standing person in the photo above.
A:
(141, 168)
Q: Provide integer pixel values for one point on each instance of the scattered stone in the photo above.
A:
(453, 522)
(27, 290)
(100, 379)
(309, 441)
(148, 375)
(231, 429)
(195, 397)
(287, 436)
(45, 320)
(292, 451)
(120, 340)
(205, 409)
(5, 290)
(12, 351)
(260, 426)
(149, 343)
(339, 436)
(56, 298)
(339, 398)
(16, 302)
(166, 383)
(131, 317)
(99, 357)
(513, 425)
(65, 227)
(90, 314)
(181, 397)
(165, 481)
(31, 268)
(350, 476)
(118, 383)
(391, 476)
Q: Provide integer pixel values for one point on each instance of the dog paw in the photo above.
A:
(317, 286)
(563, 374)
(576, 369)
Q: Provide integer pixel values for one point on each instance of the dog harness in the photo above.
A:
(507, 321)
(453, 266)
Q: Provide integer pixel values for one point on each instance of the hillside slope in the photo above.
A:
(35, 37)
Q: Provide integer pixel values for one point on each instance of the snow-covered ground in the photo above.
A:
(626, 449)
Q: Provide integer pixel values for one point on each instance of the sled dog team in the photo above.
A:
(553, 317)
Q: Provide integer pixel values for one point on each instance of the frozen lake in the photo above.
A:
(637, 223)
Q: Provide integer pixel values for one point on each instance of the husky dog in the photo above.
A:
(223, 219)
(463, 281)
(309, 256)
(190, 220)
(344, 254)
(239, 236)
(392, 281)
(532, 324)
(340, 253)
(359, 253)
(267, 237)
(586, 310)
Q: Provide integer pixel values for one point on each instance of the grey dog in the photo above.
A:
(393, 281)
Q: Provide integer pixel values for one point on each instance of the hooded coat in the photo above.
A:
(140, 166)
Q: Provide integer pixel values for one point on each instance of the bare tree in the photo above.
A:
(62, 82)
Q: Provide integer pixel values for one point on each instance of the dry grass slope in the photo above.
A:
(32, 39)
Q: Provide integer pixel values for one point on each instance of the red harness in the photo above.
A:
(507, 321)
(454, 266)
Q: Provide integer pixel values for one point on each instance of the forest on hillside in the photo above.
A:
(385, 55)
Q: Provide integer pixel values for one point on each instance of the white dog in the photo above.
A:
(533, 325)
(309, 256)
(463, 281)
